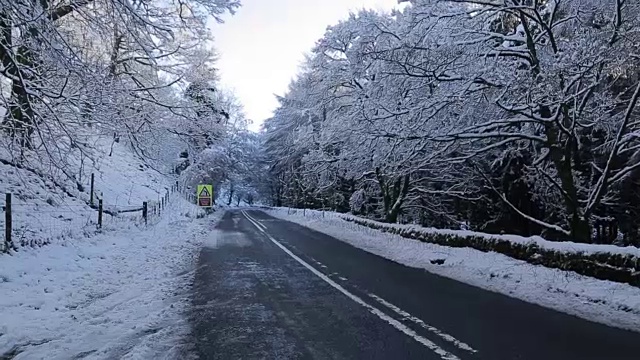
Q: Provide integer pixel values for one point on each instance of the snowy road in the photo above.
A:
(268, 288)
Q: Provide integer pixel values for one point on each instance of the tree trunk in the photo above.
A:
(580, 229)
(392, 196)
(561, 154)
(400, 191)
(19, 120)
(230, 196)
(22, 66)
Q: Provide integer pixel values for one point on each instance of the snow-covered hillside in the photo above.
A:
(88, 293)
(48, 207)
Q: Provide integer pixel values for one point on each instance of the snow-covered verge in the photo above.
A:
(597, 262)
(608, 302)
(604, 262)
(119, 294)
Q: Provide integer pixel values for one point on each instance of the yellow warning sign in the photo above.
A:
(205, 195)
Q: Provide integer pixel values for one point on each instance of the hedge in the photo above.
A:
(622, 268)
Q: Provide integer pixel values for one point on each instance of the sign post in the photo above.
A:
(205, 196)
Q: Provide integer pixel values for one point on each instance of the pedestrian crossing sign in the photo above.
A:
(205, 196)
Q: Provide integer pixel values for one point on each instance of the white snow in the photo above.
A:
(118, 294)
(43, 212)
(607, 302)
(115, 293)
(124, 180)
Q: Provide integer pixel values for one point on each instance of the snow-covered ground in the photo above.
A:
(114, 293)
(607, 302)
(118, 294)
(44, 212)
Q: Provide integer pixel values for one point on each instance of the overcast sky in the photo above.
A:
(263, 45)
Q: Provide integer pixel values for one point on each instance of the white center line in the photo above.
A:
(424, 325)
(445, 355)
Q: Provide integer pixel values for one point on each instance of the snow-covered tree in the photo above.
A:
(76, 70)
(477, 112)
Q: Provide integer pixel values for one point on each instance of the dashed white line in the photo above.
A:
(445, 355)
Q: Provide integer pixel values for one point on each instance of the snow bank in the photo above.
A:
(115, 295)
(603, 301)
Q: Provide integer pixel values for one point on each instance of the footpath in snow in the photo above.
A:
(116, 295)
(611, 303)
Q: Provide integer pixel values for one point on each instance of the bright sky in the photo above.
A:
(263, 45)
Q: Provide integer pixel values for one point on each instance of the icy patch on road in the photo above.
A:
(115, 295)
(608, 302)
(236, 239)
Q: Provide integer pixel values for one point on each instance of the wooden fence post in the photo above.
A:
(145, 213)
(92, 188)
(100, 214)
(8, 244)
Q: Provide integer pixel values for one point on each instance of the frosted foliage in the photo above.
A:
(76, 72)
(356, 202)
(505, 117)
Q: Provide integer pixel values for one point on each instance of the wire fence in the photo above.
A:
(33, 224)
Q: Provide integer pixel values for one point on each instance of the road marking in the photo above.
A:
(255, 222)
(424, 325)
(445, 355)
(260, 225)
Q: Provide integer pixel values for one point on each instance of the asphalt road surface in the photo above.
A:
(271, 289)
